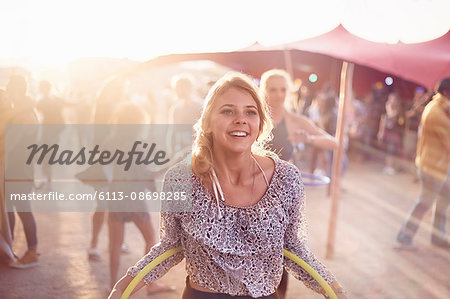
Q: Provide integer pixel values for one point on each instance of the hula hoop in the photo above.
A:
(147, 269)
(315, 180)
(312, 272)
(328, 290)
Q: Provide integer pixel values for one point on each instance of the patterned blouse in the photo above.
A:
(241, 253)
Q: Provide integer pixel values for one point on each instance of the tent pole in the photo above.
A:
(345, 94)
(288, 62)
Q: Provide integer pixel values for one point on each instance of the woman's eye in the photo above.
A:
(227, 112)
(252, 112)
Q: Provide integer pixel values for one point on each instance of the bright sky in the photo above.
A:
(51, 33)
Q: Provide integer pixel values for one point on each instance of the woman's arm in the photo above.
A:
(302, 129)
(295, 241)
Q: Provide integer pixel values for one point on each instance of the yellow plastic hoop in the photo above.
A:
(147, 269)
(312, 272)
(173, 251)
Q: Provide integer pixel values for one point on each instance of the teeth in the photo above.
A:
(239, 134)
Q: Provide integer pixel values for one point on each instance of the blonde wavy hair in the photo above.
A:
(202, 157)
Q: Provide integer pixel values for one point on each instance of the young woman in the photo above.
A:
(125, 114)
(390, 133)
(289, 128)
(246, 206)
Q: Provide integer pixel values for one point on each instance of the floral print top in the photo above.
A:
(240, 253)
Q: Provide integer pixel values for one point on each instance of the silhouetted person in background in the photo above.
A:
(119, 212)
(432, 161)
(186, 111)
(110, 96)
(23, 113)
(412, 121)
(390, 133)
(188, 107)
(51, 109)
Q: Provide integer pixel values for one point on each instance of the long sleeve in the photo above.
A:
(170, 238)
(439, 124)
(433, 147)
(295, 237)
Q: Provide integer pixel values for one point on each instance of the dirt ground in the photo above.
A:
(372, 208)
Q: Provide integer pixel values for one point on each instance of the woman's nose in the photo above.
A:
(240, 118)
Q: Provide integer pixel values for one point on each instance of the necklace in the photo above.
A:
(253, 183)
(218, 189)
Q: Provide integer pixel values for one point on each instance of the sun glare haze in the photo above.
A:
(51, 33)
(116, 111)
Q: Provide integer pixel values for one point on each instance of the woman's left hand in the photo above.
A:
(299, 136)
(338, 290)
(341, 295)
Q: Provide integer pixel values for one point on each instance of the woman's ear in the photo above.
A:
(207, 132)
(207, 129)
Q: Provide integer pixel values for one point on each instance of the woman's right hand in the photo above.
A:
(121, 285)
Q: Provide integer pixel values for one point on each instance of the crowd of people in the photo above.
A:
(242, 173)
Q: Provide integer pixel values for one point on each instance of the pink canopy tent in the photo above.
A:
(422, 63)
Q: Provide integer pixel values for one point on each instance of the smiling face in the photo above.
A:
(233, 117)
(234, 122)
(276, 90)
